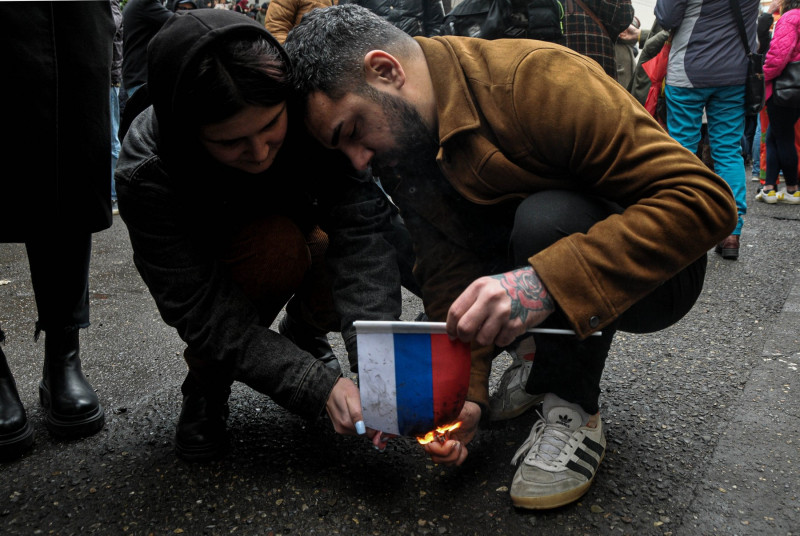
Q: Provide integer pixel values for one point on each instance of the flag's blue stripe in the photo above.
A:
(414, 381)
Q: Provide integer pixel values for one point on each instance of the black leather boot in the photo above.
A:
(16, 433)
(310, 339)
(202, 434)
(73, 409)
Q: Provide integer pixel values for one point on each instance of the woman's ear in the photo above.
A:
(383, 69)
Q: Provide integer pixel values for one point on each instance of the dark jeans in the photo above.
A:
(750, 124)
(564, 365)
(59, 268)
(781, 150)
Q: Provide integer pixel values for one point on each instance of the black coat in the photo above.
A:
(56, 126)
(415, 17)
(141, 20)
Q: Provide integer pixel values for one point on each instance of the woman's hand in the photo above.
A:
(344, 410)
(454, 450)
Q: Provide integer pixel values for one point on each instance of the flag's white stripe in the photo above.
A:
(379, 394)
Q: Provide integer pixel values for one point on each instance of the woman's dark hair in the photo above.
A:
(786, 5)
(233, 76)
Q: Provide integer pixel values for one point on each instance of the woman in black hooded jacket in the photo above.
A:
(229, 205)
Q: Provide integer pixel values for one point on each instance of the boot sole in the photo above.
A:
(201, 453)
(731, 254)
(71, 426)
(13, 445)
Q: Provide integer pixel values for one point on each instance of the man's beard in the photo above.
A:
(416, 144)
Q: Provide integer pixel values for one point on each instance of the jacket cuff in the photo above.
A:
(308, 397)
(315, 389)
(351, 344)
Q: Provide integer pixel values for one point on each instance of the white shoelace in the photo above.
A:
(544, 444)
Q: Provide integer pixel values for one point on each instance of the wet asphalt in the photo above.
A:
(702, 422)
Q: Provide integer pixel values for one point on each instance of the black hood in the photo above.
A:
(180, 44)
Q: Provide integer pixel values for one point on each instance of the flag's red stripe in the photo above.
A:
(450, 363)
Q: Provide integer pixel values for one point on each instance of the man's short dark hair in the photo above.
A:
(328, 47)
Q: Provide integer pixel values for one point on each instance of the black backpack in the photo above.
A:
(498, 19)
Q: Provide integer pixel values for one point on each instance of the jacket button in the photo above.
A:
(594, 322)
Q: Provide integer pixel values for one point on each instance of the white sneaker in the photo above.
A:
(770, 196)
(511, 400)
(786, 197)
(561, 457)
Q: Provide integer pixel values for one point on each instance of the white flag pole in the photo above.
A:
(553, 331)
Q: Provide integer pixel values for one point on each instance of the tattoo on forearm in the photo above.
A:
(526, 291)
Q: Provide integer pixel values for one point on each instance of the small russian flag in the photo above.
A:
(411, 376)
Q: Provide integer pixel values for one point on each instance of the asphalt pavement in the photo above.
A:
(702, 421)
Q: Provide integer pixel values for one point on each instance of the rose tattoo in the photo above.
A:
(526, 292)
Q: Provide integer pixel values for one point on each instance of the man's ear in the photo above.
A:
(382, 69)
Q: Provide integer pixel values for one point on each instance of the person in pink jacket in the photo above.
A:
(781, 151)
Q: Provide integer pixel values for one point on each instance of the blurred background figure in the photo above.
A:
(706, 73)
(593, 26)
(626, 49)
(261, 16)
(116, 82)
(141, 19)
(590, 27)
(283, 15)
(184, 5)
(784, 49)
(415, 17)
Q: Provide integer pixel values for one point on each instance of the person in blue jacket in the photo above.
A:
(706, 74)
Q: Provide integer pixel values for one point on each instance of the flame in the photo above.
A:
(440, 434)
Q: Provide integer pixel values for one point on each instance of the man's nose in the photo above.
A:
(359, 156)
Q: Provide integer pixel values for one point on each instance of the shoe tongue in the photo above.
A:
(568, 417)
(558, 410)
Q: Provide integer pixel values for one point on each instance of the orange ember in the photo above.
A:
(440, 434)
